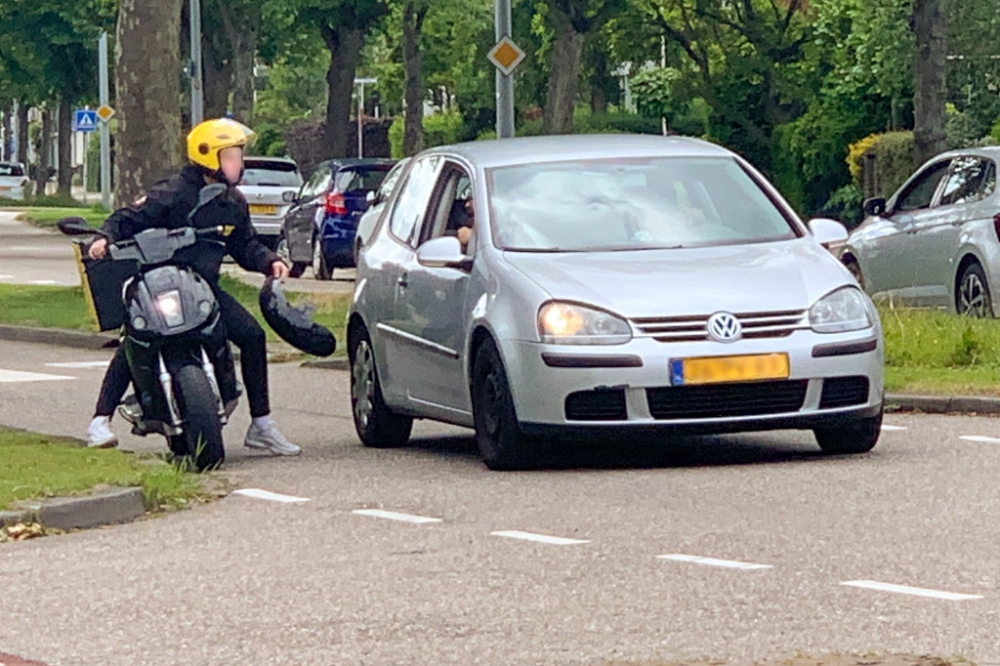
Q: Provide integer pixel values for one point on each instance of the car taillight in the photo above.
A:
(996, 225)
(335, 204)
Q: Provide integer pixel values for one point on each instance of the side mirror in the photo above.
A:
(875, 207)
(370, 197)
(444, 252)
(75, 226)
(828, 232)
(289, 196)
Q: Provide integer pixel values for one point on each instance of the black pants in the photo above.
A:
(241, 329)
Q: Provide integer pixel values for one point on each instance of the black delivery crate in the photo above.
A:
(103, 281)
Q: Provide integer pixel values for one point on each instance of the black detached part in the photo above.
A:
(294, 324)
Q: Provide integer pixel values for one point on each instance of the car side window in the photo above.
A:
(411, 202)
(920, 194)
(452, 206)
(970, 181)
(317, 184)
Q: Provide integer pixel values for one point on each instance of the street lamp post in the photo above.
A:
(194, 30)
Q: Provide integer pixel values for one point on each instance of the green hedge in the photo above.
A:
(441, 129)
(893, 153)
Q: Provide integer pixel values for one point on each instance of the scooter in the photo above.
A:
(175, 342)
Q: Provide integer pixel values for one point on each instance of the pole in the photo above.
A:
(505, 84)
(86, 154)
(663, 64)
(15, 131)
(361, 126)
(197, 100)
(105, 130)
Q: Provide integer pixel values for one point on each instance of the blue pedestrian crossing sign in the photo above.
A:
(84, 120)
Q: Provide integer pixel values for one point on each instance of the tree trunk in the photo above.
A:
(5, 152)
(345, 53)
(413, 120)
(148, 86)
(65, 177)
(564, 76)
(22, 133)
(244, 53)
(43, 150)
(217, 63)
(930, 25)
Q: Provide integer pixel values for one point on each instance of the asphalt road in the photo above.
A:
(34, 256)
(256, 581)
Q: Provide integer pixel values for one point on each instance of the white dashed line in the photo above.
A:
(712, 562)
(15, 376)
(6, 277)
(915, 591)
(392, 515)
(539, 538)
(892, 428)
(981, 440)
(80, 365)
(267, 495)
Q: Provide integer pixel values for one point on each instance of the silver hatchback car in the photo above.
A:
(610, 285)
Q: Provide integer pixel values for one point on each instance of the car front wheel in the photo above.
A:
(498, 433)
(295, 268)
(377, 426)
(858, 437)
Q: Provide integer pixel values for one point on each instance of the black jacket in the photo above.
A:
(168, 204)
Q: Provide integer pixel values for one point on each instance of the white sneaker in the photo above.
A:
(269, 438)
(99, 435)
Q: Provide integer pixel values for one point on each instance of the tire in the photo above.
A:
(202, 427)
(858, 437)
(855, 269)
(377, 426)
(357, 251)
(297, 268)
(501, 444)
(320, 271)
(972, 297)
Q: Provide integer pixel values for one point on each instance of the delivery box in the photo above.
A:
(103, 281)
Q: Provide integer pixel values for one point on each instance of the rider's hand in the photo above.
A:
(279, 270)
(98, 248)
(464, 235)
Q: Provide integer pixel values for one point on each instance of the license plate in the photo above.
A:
(724, 369)
(263, 210)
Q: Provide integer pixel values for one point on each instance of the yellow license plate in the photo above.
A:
(263, 210)
(724, 369)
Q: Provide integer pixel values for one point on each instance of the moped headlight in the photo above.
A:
(170, 306)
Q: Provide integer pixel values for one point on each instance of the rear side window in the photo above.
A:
(318, 184)
(11, 170)
(971, 179)
(362, 179)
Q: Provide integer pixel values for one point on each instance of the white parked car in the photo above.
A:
(13, 181)
(270, 185)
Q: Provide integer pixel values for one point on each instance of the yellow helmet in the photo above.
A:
(206, 140)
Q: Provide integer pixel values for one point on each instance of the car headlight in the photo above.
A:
(842, 311)
(169, 305)
(569, 324)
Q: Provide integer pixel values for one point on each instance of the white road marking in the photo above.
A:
(80, 364)
(915, 591)
(392, 515)
(981, 440)
(6, 277)
(892, 428)
(15, 376)
(712, 562)
(256, 493)
(43, 282)
(540, 538)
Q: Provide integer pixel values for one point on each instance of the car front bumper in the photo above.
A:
(834, 379)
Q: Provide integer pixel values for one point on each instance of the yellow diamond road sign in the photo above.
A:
(105, 113)
(506, 55)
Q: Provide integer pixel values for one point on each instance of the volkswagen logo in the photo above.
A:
(724, 327)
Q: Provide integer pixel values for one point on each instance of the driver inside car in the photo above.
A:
(215, 152)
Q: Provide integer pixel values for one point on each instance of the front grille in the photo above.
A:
(727, 400)
(607, 405)
(694, 328)
(844, 392)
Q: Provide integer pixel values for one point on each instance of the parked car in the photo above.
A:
(676, 291)
(320, 228)
(376, 203)
(13, 181)
(936, 242)
(269, 185)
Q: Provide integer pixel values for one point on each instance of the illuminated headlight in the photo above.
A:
(570, 324)
(842, 311)
(169, 305)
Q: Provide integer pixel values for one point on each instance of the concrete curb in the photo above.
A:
(342, 364)
(58, 336)
(943, 404)
(105, 506)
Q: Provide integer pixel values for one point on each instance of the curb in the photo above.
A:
(942, 404)
(107, 506)
(341, 364)
(58, 336)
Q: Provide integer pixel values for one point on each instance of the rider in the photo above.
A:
(215, 151)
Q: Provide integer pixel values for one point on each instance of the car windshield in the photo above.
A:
(271, 174)
(362, 179)
(11, 170)
(609, 205)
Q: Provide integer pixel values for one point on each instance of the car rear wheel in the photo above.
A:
(858, 437)
(320, 271)
(296, 268)
(501, 443)
(377, 426)
(974, 298)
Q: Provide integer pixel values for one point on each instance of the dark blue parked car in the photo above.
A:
(320, 228)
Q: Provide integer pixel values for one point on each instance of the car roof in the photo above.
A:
(990, 152)
(536, 150)
(265, 158)
(348, 162)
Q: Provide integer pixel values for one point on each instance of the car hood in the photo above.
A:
(790, 275)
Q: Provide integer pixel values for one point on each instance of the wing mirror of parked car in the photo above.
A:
(828, 232)
(875, 207)
(370, 198)
(290, 196)
(444, 252)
